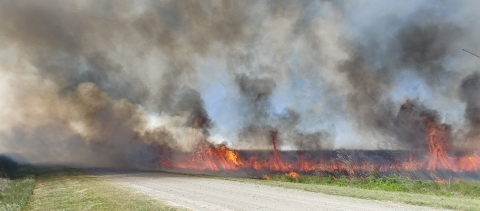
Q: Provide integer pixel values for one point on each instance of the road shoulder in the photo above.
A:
(70, 189)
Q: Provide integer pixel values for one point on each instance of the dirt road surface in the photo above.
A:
(198, 193)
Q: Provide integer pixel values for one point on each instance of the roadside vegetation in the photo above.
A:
(70, 189)
(23, 187)
(16, 184)
(458, 195)
(374, 181)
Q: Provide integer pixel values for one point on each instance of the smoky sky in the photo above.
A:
(83, 81)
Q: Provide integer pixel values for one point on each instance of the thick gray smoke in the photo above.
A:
(422, 47)
(469, 93)
(106, 83)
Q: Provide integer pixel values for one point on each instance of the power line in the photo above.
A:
(471, 53)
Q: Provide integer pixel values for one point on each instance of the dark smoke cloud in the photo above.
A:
(368, 100)
(410, 125)
(89, 50)
(105, 83)
(257, 92)
(191, 102)
(469, 93)
(422, 46)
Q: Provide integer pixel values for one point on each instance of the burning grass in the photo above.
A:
(436, 156)
(434, 176)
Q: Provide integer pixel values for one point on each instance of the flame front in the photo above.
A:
(207, 156)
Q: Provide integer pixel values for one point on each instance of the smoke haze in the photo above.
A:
(105, 83)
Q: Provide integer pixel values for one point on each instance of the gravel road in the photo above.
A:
(197, 193)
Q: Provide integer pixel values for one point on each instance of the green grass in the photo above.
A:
(15, 193)
(460, 195)
(69, 189)
(392, 183)
(16, 190)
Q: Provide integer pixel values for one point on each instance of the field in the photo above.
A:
(30, 188)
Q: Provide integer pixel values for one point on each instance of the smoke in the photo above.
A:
(107, 83)
(422, 49)
(470, 96)
(424, 46)
(257, 93)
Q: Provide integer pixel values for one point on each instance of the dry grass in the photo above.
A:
(69, 189)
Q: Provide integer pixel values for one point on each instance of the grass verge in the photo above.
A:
(466, 188)
(69, 189)
(418, 196)
(16, 190)
(15, 193)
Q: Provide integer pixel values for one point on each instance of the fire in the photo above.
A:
(469, 162)
(293, 175)
(207, 156)
(215, 158)
(438, 158)
(436, 139)
(276, 163)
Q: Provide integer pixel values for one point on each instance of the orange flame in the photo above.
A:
(207, 156)
(436, 139)
(293, 175)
